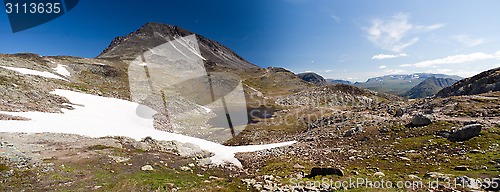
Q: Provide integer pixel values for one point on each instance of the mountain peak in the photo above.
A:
(313, 78)
(153, 34)
(429, 87)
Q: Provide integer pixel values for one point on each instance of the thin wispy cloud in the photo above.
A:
(388, 56)
(396, 33)
(382, 67)
(395, 71)
(468, 41)
(455, 59)
(335, 18)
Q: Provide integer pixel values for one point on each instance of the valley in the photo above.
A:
(88, 124)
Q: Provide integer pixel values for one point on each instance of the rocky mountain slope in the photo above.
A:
(399, 84)
(481, 83)
(312, 78)
(429, 87)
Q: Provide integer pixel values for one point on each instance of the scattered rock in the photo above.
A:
(414, 177)
(118, 159)
(465, 133)
(405, 158)
(379, 174)
(249, 182)
(474, 151)
(461, 168)
(399, 112)
(147, 168)
(258, 187)
(383, 130)
(96, 187)
(141, 146)
(350, 133)
(354, 131)
(184, 168)
(437, 175)
(359, 128)
(420, 120)
(443, 133)
(297, 166)
(268, 177)
(325, 171)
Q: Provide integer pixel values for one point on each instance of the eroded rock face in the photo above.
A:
(421, 120)
(465, 133)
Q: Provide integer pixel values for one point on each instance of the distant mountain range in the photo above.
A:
(429, 87)
(317, 79)
(338, 81)
(399, 84)
(482, 83)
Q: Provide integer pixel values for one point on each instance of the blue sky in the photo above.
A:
(351, 40)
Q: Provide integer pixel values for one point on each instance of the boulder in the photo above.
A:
(420, 120)
(325, 171)
(383, 130)
(440, 176)
(399, 112)
(465, 133)
(351, 132)
(147, 168)
(461, 168)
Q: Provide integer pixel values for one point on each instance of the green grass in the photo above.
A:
(4, 167)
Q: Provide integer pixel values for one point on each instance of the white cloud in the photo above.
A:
(468, 41)
(396, 71)
(389, 56)
(382, 67)
(392, 34)
(336, 18)
(328, 71)
(454, 59)
(423, 28)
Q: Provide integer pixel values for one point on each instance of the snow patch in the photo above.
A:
(34, 72)
(97, 116)
(61, 69)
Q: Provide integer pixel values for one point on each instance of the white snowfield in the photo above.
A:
(97, 116)
(34, 72)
